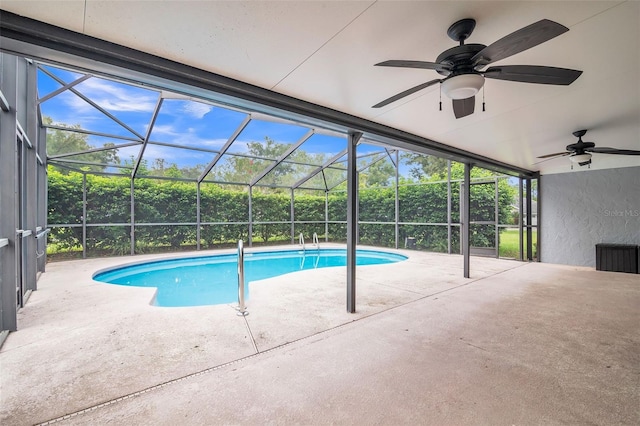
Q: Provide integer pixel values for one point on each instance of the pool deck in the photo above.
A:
(517, 343)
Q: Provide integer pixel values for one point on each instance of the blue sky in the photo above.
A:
(181, 122)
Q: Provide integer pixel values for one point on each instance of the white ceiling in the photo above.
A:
(324, 51)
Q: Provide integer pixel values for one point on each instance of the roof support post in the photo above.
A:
(529, 222)
(497, 219)
(449, 206)
(42, 192)
(538, 221)
(293, 228)
(84, 215)
(466, 214)
(8, 198)
(352, 218)
(30, 185)
(198, 217)
(521, 217)
(250, 195)
(397, 203)
(326, 216)
(133, 217)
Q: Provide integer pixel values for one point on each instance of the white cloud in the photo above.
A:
(180, 157)
(169, 134)
(76, 104)
(164, 130)
(212, 143)
(196, 109)
(240, 146)
(114, 97)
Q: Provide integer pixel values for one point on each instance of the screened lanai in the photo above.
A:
(126, 168)
(98, 126)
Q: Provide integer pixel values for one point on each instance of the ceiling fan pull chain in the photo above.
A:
(441, 97)
(483, 109)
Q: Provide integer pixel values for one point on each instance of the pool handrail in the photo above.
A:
(242, 309)
(301, 242)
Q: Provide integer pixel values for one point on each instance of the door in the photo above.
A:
(483, 223)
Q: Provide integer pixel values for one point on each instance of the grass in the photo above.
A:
(509, 247)
(510, 244)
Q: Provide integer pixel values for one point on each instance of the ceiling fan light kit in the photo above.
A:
(463, 65)
(462, 86)
(580, 158)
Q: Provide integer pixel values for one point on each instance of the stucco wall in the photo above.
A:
(584, 208)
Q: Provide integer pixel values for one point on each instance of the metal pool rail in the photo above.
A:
(242, 309)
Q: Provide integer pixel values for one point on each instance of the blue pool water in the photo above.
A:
(212, 280)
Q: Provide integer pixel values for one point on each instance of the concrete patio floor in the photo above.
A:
(517, 343)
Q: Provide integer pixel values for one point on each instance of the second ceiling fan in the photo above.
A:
(462, 65)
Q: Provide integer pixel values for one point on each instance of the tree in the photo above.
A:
(380, 173)
(425, 166)
(244, 169)
(70, 141)
(239, 169)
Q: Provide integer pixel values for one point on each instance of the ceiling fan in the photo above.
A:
(462, 65)
(580, 152)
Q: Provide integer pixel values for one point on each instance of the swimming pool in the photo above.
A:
(213, 280)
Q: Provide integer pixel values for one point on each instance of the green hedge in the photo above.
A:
(161, 201)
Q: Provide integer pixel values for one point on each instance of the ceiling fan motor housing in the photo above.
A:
(580, 146)
(458, 59)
